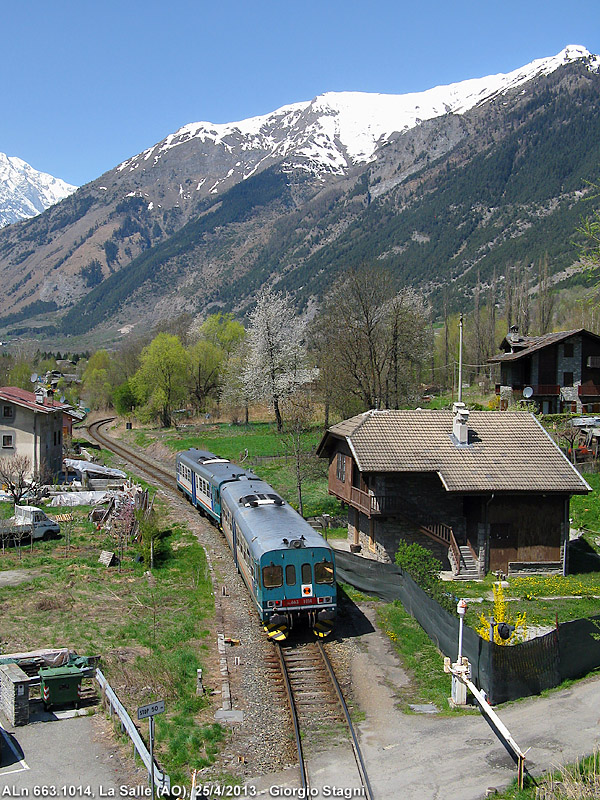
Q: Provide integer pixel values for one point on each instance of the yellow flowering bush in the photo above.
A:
(502, 614)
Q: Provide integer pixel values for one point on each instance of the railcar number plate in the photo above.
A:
(298, 601)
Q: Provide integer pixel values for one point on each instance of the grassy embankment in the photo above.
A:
(152, 632)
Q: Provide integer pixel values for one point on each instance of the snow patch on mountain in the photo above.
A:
(337, 130)
(25, 192)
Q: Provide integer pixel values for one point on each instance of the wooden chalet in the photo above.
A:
(558, 371)
(484, 490)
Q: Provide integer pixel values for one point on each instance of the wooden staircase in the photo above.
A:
(468, 570)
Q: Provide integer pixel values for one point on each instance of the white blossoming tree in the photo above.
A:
(276, 356)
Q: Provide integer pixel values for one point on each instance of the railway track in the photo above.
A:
(160, 475)
(315, 697)
(313, 693)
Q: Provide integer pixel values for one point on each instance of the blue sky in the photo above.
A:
(87, 84)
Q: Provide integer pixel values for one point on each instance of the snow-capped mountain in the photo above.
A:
(412, 182)
(335, 131)
(25, 192)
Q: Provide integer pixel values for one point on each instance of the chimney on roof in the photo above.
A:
(39, 396)
(460, 428)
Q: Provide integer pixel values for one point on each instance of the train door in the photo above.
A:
(234, 542)
(193, 488)
(307, 583)
(215, 501)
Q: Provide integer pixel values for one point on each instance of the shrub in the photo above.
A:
(424, 568)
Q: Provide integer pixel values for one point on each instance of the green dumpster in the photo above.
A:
(60, 685)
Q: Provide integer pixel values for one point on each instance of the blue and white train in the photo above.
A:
(288, 567)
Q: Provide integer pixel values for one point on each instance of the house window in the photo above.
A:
(7, 412)
(341, 468)
(568, 349)
(568, 379)
(7, 441)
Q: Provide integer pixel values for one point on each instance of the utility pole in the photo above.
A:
(460, 357)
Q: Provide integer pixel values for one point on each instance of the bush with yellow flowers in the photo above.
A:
(502, 614)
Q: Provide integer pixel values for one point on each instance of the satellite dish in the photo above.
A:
(62, 398)
(527, 392)
(33, 378)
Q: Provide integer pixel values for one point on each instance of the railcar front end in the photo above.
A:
(297, 587)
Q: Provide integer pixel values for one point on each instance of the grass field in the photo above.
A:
(151, 632)
(420, 657)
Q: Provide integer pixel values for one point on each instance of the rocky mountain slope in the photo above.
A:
(436, 186)
(25, 192)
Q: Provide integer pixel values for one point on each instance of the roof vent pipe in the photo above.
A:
(460, 427)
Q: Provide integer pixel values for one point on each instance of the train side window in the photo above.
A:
(272, 576)
(290, 575)
(324, 572)
(306, 573)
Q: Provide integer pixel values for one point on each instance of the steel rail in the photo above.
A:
(164, 477)
(294, 715)
(362, 770)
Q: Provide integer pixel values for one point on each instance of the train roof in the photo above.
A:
(267, 520)
(218, 470)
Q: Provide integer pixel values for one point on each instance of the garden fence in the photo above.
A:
(503, 672)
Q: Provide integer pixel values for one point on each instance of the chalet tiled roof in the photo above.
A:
(526, 345)
(22, 397)
(507, 451)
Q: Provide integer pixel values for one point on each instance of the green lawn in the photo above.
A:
(585, 511)
(152, 635)
(420, 657)
(570, 597)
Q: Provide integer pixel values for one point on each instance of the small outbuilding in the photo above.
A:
(484, 490)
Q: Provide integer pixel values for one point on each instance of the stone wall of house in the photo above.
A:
(14, 694)
(422, 498)
(570, 394)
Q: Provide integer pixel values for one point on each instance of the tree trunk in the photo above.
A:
(299, 480)
(278, 415)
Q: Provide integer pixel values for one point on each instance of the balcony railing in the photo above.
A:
(588, 390)
(372, 505)
(540, 389)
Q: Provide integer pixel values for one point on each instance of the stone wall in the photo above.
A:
(14, 694)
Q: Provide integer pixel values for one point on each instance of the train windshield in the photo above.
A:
(306, 573)
(272, 576)
(324, 572)
(290, 574)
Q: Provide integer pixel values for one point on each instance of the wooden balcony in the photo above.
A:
(588, 390)
(374, 505)
(544, 389)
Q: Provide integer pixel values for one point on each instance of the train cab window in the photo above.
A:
(324, 572)
(290, 575)
(306, 573)
(272, 576)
